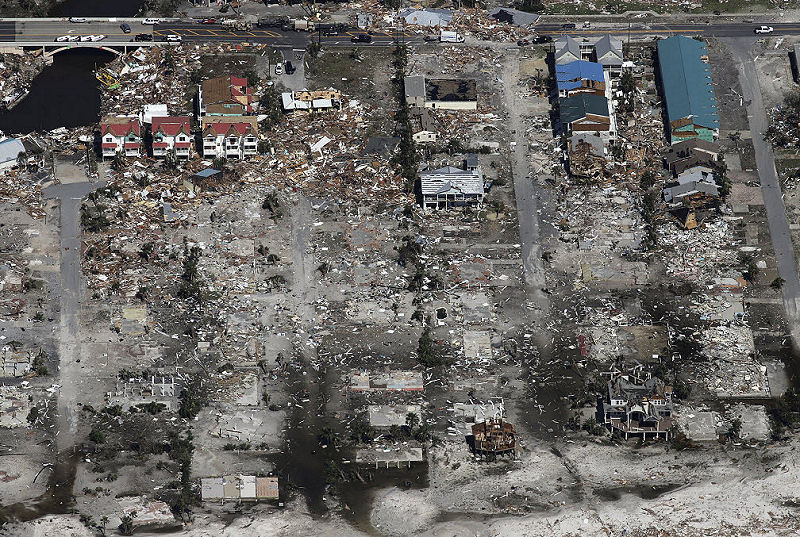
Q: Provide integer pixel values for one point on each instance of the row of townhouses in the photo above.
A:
(227, 129)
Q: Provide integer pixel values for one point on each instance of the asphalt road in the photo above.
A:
(45, 31)
(638, 29)
(770, 186)
(34, 30)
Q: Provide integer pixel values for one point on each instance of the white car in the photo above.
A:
(764, 30)
(150, 21)
(78, 19)
(278, 68)
(174, 38)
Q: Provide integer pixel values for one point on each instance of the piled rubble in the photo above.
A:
(17, 71)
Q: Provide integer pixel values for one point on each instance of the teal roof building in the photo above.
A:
(688, 89)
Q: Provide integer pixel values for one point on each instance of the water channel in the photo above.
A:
(65, 94)
(96, 8)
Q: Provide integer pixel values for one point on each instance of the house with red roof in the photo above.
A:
(172, 133)
(230, 137)
(225, 96)
(121, 135)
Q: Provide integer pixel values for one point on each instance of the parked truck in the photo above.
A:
(237, 24)
(450, 37)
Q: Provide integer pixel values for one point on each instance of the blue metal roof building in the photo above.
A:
(580, 77)
(688, 89)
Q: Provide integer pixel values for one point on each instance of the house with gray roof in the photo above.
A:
(426, 17)
(414, 86)
(608, 52)
(566, 50)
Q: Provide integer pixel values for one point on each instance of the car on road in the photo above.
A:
(174, 38)
(764, 29)
(207, 21)
(568, 26)
(150, 21)
(290, 69)
(143, 37)
(78, 19)
(125, 27)
(67, 38)
(279, 68)
(362, 38)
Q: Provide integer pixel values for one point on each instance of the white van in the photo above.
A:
(450, 37)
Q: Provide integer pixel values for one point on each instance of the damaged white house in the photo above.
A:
(449, 187)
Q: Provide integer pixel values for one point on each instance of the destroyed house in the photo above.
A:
(305, 100)
(638, 406)
(15, 362)
(449, 187)
(384, 416)
(224, 96)
(391, 381)
(585, 112)
(120, 135)
(580, 77)
(451, 94)
(608, 52)
(587, 155)
(566, 50)
(172, 134)
(690, 154)
(689, 99)
(230, 137)
(494, 436)
(239, 487)
(153, 389)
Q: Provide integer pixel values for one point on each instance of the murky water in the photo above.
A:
(96, 8)
(65, 94)
(57, 499)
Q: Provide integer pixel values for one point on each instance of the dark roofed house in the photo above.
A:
(513, 16)
(381, 145)
(688, 89)
(638, 404)
(451, 94)
(585, 112)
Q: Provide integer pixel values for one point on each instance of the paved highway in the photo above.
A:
(47, 30)
(638, 29)
(41, 31)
